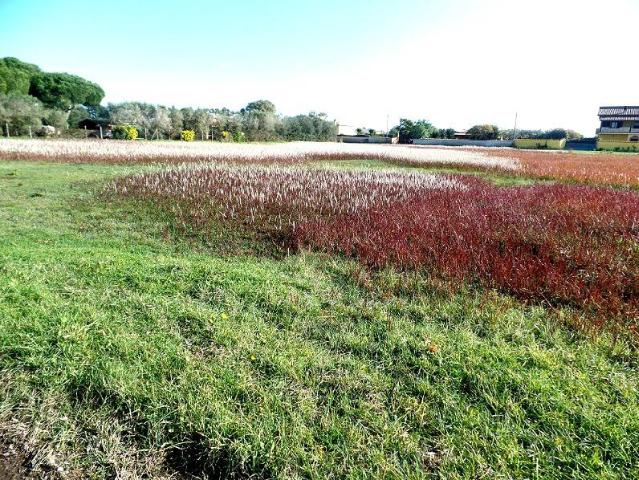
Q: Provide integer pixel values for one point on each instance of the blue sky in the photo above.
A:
(455, 63)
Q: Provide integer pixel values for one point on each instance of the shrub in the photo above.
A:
(125, 132)
(239, 137)
(187, 135)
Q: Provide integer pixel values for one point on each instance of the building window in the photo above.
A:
(634, 139)
(614, 125)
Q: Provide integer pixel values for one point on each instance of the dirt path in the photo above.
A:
(12, 462)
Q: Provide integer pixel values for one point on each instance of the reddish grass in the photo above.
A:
(592, 168)
(556, 244)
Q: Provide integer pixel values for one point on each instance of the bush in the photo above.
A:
(239, 137)
(125, 132)
(187, 135)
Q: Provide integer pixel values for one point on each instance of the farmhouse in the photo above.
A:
(619, 128)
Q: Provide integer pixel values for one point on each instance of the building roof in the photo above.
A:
(619, 113)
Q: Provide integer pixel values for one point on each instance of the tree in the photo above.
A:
(127, 113)
(161, 121)
(63, 91)
(443, 133)
(15, 76)
(259, 120)
(177, 121)
(483, 132)
(76, 115)
(20, 112)
(409, 130)
(313, 126)
(561, 133)
(259, 106)
(555, 134)
(55, 118)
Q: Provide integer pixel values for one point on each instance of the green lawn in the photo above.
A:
(127, 350)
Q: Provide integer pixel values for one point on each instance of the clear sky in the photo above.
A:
(455, 63)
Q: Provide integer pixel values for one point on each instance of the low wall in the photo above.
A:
(618, 146)
(449, 142)
(540, 143)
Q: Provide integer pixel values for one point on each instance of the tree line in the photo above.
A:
(257, 121)
(409, 130)
(31, 98)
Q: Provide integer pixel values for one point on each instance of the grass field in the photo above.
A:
(129, 349)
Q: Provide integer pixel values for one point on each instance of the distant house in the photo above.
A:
(462, 135)
(619, 128)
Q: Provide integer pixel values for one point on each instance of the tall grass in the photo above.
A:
(87, 151)
(591, 168)
(273, 199)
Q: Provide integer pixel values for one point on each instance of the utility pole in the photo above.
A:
(7, 125)
(515, 129)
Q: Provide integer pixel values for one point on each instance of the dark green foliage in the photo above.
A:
(15, 76)
(313, 126)
(446, 133)
(260, 106)
(409, 130)
(484, 132)
(63, 90)
(561, 133)
(555, 134)
(56, 90)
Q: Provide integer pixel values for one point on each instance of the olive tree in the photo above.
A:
(20, 112)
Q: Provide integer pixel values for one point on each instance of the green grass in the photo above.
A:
(126, 349)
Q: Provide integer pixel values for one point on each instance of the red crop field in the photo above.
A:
(593, 168)
(556, 244)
